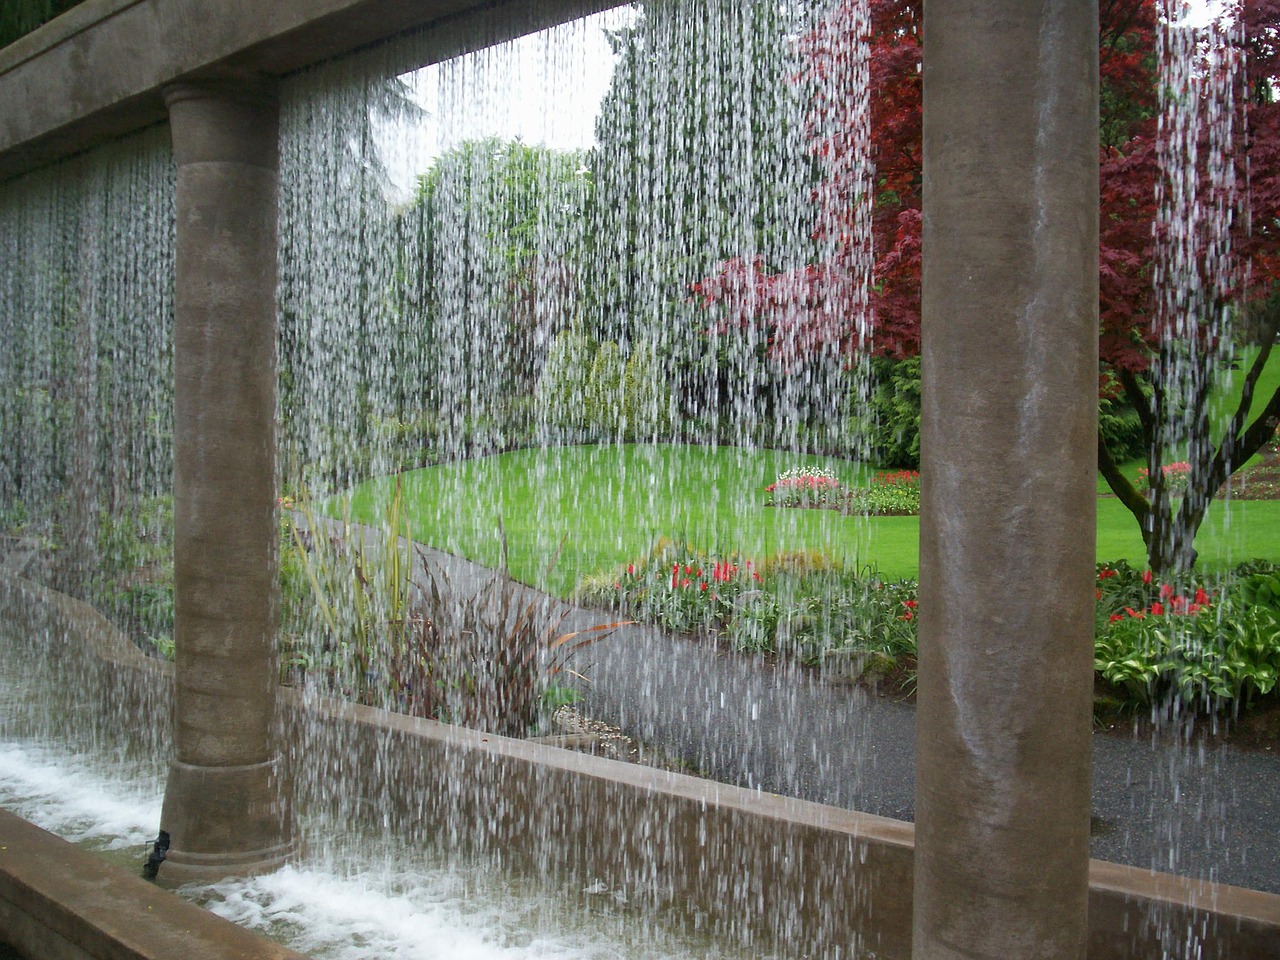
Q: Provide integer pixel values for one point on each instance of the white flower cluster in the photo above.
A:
(807, 473)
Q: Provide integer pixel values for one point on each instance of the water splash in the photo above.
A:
(365, 894)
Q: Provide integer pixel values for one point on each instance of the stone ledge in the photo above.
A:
(59, 30)
(58, 901)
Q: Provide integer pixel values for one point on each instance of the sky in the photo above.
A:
(557, 76)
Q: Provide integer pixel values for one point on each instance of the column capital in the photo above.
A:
(225, 120)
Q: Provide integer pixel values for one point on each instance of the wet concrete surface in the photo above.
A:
(1211, 814)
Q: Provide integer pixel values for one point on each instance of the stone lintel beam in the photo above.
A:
(99, 71)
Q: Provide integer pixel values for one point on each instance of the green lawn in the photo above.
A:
(1240, 530)
(609, 503)
(1226, 398)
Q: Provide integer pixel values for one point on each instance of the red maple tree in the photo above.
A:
(1160, 345)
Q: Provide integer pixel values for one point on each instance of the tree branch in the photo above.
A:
(1232, 451)
(1137, 399)
(1121, 485)
(1117, 31)
(1261, 430)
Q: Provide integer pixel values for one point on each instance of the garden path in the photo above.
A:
(1211, 812)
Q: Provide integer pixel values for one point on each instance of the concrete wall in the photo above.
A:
(96, 72)
(59, 902)
(759, 868)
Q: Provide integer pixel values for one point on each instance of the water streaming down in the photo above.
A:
(86, 419)
(522, 316)
(86, 410)
(514, 316)
(435, 322)
(1197, 274)
(520, 325)
(358, 891)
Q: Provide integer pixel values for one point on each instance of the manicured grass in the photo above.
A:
(608, 504)
(1229, 388)
(1232, 532)
(1226, 398)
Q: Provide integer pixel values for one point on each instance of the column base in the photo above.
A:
(225, 822)
(181, 868)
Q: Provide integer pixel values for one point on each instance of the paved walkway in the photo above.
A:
(781, 728)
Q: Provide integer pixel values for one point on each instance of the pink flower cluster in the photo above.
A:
(803, 482)
(1176, 469)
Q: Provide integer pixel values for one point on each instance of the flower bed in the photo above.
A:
(1176, 476)
(806, 487)
(1199, 646)
(800, 604)
(893, 493)
(1187, 642)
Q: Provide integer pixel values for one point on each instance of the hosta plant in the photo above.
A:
(1205, 646)
(1206, 661)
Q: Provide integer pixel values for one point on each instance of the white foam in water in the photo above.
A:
(69, 795)
(397, 908)
(433, 915)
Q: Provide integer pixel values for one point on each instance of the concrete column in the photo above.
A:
(225, 810)
(1008, 454)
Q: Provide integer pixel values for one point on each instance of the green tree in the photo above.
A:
(496, 231)
(700, 156)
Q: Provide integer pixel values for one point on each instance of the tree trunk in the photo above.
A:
(1170, 535)
(1171, 541)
